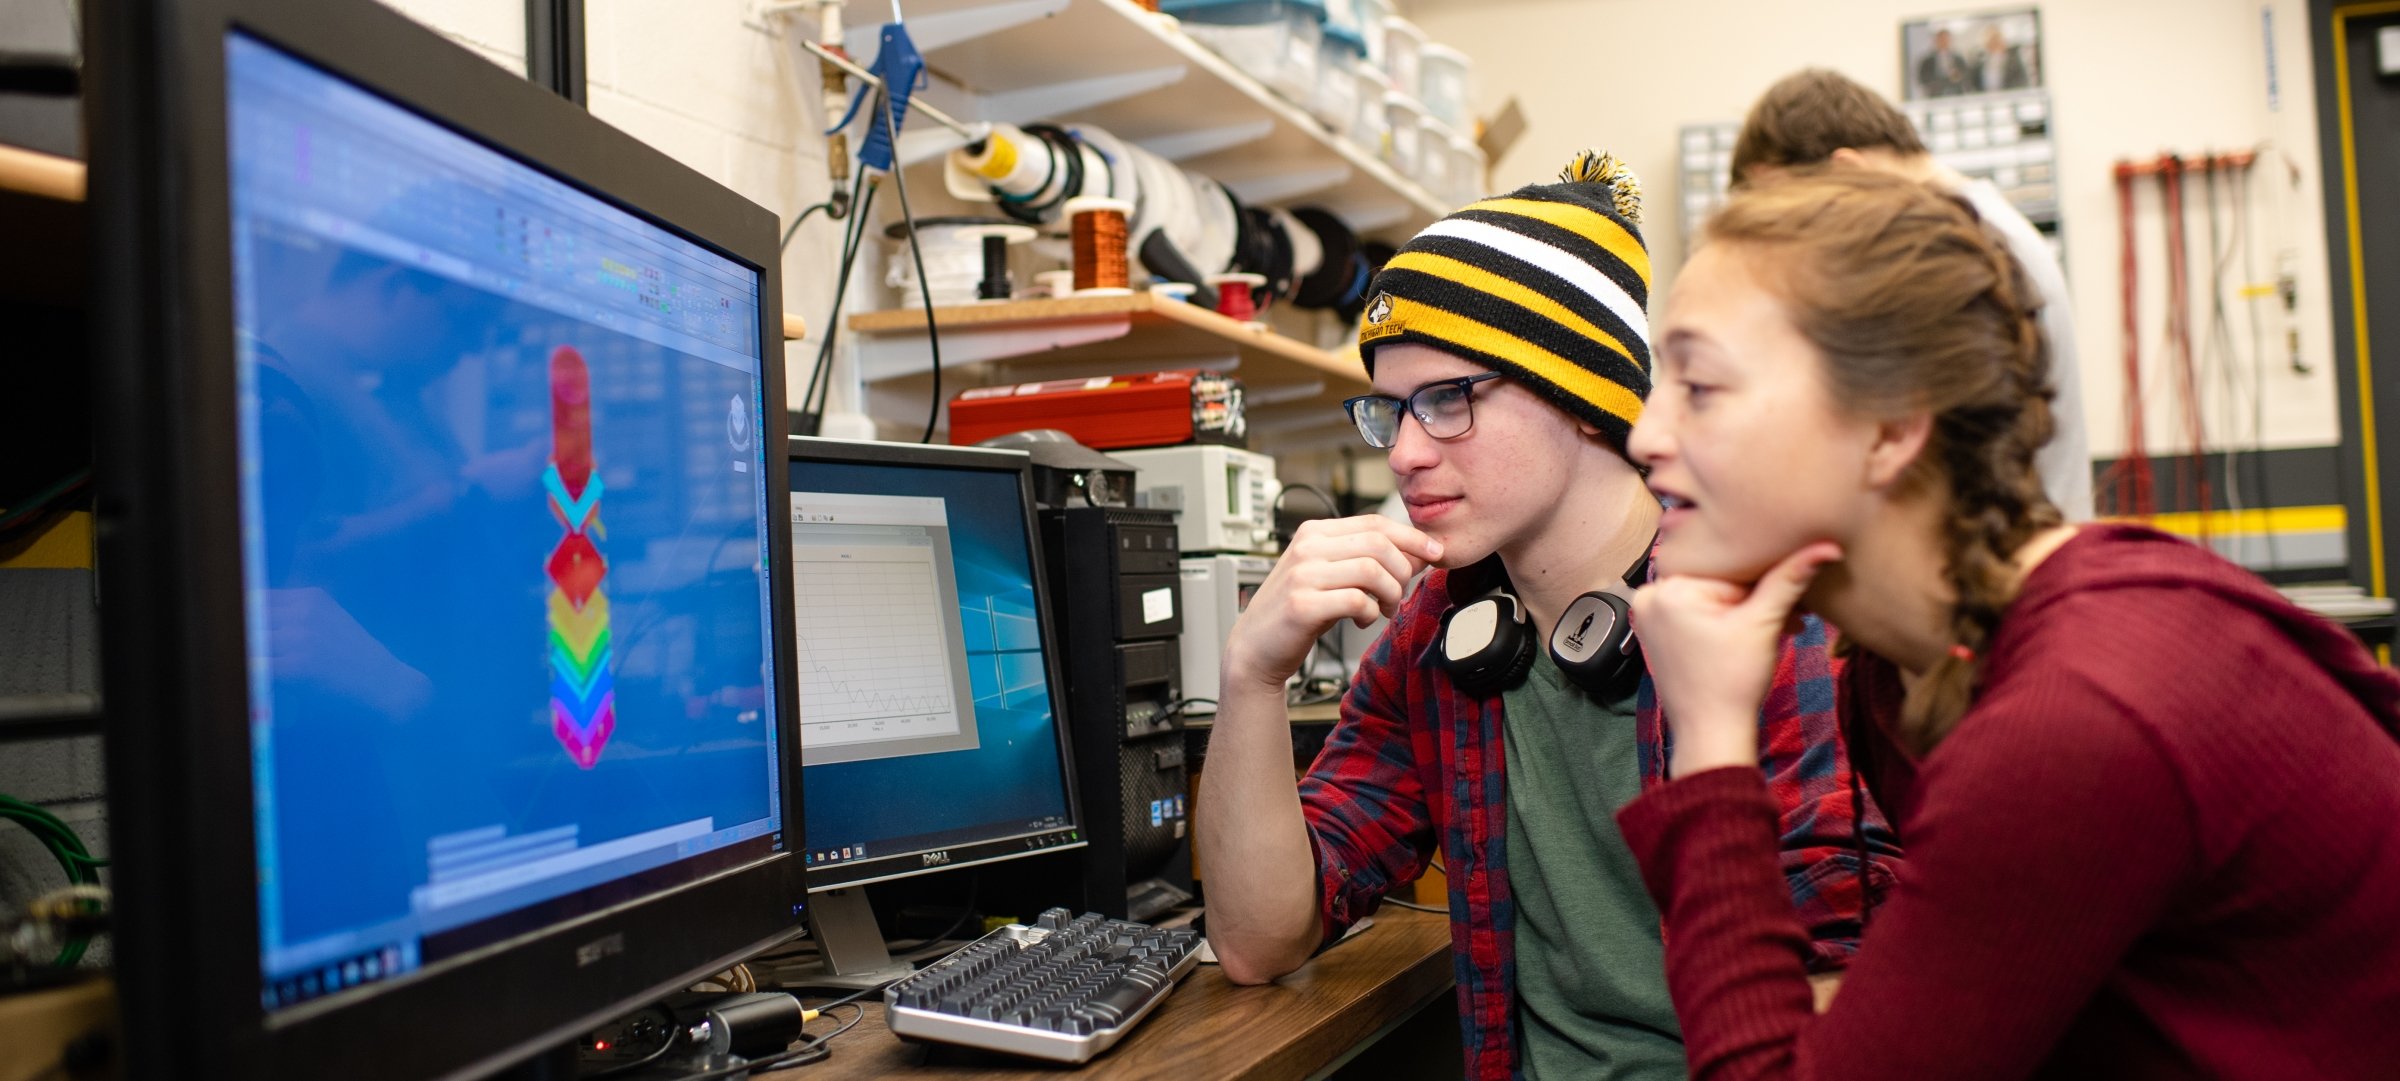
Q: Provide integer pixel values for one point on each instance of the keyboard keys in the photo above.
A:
(1065, 988)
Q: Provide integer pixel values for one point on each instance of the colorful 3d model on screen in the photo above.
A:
(583, 695)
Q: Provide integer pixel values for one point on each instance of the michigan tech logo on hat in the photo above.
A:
(1379, 324)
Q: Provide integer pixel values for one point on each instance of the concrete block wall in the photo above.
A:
(716, 87)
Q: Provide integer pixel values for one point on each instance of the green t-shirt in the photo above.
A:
(1591, 972)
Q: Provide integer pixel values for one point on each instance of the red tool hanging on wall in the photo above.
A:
(2129, 480)
(2192, 481)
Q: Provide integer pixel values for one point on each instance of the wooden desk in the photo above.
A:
(1301, 1026)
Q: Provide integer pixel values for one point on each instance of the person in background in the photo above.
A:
(2151, 809)
(2002, 66)
(1509, 352)
(1943, 73)
(1817, 116)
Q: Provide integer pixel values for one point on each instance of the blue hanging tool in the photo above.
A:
(902, 70)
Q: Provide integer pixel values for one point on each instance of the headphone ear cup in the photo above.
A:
(1485, 644)
(1593, 642)
(1519, 664)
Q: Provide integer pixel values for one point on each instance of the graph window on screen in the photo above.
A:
(882, 647)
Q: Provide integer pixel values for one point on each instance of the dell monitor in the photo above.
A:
(932, 732)
(450, 708)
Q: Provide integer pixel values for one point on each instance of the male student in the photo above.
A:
(1818, 116)
(1509, 354)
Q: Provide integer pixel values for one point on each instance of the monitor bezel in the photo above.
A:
(187, 956)
(913, 862)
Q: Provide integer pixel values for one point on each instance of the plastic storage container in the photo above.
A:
(1371, 15)
(1334, 99)
(1273, 41)
(1434, 160)
(1442, 84)
(1368, 124)
(1403, 47)
(1466, 171)
(1404, 119)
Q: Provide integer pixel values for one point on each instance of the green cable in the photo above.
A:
(67, 848)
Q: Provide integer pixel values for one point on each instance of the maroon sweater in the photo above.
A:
(2164, 842)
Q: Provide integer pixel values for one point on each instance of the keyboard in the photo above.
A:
(1064, 989)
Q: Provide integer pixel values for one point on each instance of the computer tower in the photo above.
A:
(1117, 603)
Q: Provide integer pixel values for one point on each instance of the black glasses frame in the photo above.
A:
(1407, 407)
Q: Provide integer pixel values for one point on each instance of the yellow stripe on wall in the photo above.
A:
(2253, 521)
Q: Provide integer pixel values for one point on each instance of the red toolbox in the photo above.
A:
(1154, 409)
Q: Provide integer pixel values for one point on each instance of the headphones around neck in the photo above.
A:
(1487, 647)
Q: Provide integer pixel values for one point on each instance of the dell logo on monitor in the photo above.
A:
(936, 859)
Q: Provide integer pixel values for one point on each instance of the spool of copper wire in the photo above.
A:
(1098, 229)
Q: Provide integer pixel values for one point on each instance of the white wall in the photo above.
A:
(718, 90)
(2128, 78)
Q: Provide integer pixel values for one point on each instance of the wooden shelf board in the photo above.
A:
(31, 172)
(1287, 379)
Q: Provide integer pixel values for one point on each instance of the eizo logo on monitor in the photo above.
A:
(936, 859)
(599, 950)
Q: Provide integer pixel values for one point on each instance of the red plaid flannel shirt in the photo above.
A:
(1415, 763)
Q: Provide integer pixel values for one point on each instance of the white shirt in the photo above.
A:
(2066, 464)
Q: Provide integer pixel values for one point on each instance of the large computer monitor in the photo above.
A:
(932, 711)
(450, 709)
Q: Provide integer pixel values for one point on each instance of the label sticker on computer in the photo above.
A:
(1158, 605)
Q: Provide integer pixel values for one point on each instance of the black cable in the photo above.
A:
(861, 198)
(814, 399)
(1177, 707)
(796, 223)
(933, 334)
(1332, 509)
(819, 393)
(855, 996)
(859, 1015)
(966, 912)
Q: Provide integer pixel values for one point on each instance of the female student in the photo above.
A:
(2152, 810)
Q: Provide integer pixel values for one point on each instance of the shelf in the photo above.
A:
(31, 172)
(1288, 386)
(49, 716)
(1137, 75)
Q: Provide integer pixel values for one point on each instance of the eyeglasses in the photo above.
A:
(1446, 409)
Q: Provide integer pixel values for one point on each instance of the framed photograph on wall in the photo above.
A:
(1948, 56)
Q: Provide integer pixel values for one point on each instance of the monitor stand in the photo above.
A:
(850, 941)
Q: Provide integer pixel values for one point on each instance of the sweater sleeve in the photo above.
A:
(2052, 832)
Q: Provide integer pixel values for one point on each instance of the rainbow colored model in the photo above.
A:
(583, 695)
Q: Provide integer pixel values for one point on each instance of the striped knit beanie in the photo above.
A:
(1547, 284)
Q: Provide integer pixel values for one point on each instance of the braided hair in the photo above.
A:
(1915, 304)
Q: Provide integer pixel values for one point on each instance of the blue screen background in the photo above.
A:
(406, 601)
(396, 427)
(1014, 775)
